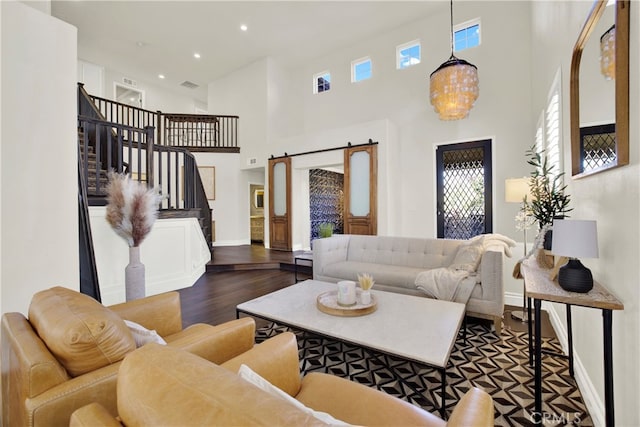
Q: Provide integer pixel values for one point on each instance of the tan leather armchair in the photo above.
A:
(164, 386)
(37, 389)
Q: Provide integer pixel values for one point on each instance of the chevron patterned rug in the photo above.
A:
(498, 365)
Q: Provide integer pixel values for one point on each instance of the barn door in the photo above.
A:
(361, 190)
(280, 203)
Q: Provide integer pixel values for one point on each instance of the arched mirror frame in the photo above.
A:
(621, 87)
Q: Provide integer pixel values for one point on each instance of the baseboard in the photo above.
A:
(591, 398)
(239, 242)
(515, 299)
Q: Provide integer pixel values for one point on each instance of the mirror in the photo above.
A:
(258, 199)
(600, 107)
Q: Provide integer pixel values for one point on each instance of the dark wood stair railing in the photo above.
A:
(106, 146)
(131, 150)
(89, 283)
(195, 132)
(121, 147)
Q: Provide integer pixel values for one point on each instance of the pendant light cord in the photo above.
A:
(451, 21)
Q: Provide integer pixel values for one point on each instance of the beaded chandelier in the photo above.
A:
(454, 86)
(608, 54)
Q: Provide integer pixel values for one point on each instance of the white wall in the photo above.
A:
(43, 6)
(174, 253)
(1, 68)
(244, 94)
(92, 77)
(611, 198)
(401, 96)
(393, 108)
(38, 145)
(231, 209)
(156, 97)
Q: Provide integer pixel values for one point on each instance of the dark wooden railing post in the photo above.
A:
(159, 128)
(150, 130)
(80, 90)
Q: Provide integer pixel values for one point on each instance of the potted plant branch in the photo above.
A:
(548, 198)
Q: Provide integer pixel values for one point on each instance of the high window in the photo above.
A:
(322, 82)
(361, 69)
(408, 54)
(466, 35)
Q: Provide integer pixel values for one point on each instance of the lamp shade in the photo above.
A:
(515, 190)
(454, 89)
(575, 238)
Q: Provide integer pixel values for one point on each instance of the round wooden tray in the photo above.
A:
(327, 302)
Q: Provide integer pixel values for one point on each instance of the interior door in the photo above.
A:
(361, 190)
(464, 189)
(280, 203)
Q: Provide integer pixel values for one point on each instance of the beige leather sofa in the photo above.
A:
(67, 354)
(395, 263)
(159, 385)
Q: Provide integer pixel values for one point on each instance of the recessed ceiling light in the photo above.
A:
(243, 27)
(161, 76)
(196, 55)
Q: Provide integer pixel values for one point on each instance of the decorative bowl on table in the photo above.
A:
(327, 302)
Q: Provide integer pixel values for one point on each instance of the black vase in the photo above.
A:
(547, 240)
(548, 235)
(575, 277)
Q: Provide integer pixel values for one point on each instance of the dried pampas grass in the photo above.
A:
(366, 281)
(132, 208)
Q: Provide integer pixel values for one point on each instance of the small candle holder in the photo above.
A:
(366, 283)
(347, 293)
(365, 297)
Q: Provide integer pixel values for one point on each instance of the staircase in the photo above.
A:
(105, 145)
(152, 147)
(96, 193)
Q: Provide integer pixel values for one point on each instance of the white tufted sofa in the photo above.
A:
(395, 262)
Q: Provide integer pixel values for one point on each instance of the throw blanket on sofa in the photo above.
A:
(456, 282)
(446, 284)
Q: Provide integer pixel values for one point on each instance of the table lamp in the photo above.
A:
(573, 239)
(515, 191)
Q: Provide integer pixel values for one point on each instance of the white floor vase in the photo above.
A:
(134, 275)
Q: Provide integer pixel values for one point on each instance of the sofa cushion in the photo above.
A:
(383, 274)
(164, 386)
(402, 251)
(467, 257)
(142, 335)
(82, 333)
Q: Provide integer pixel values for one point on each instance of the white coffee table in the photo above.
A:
(417, 329)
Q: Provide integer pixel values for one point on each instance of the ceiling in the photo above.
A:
(145, 38)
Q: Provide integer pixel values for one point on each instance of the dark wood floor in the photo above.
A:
(249, 254)
(249, 271)
(213, 298)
